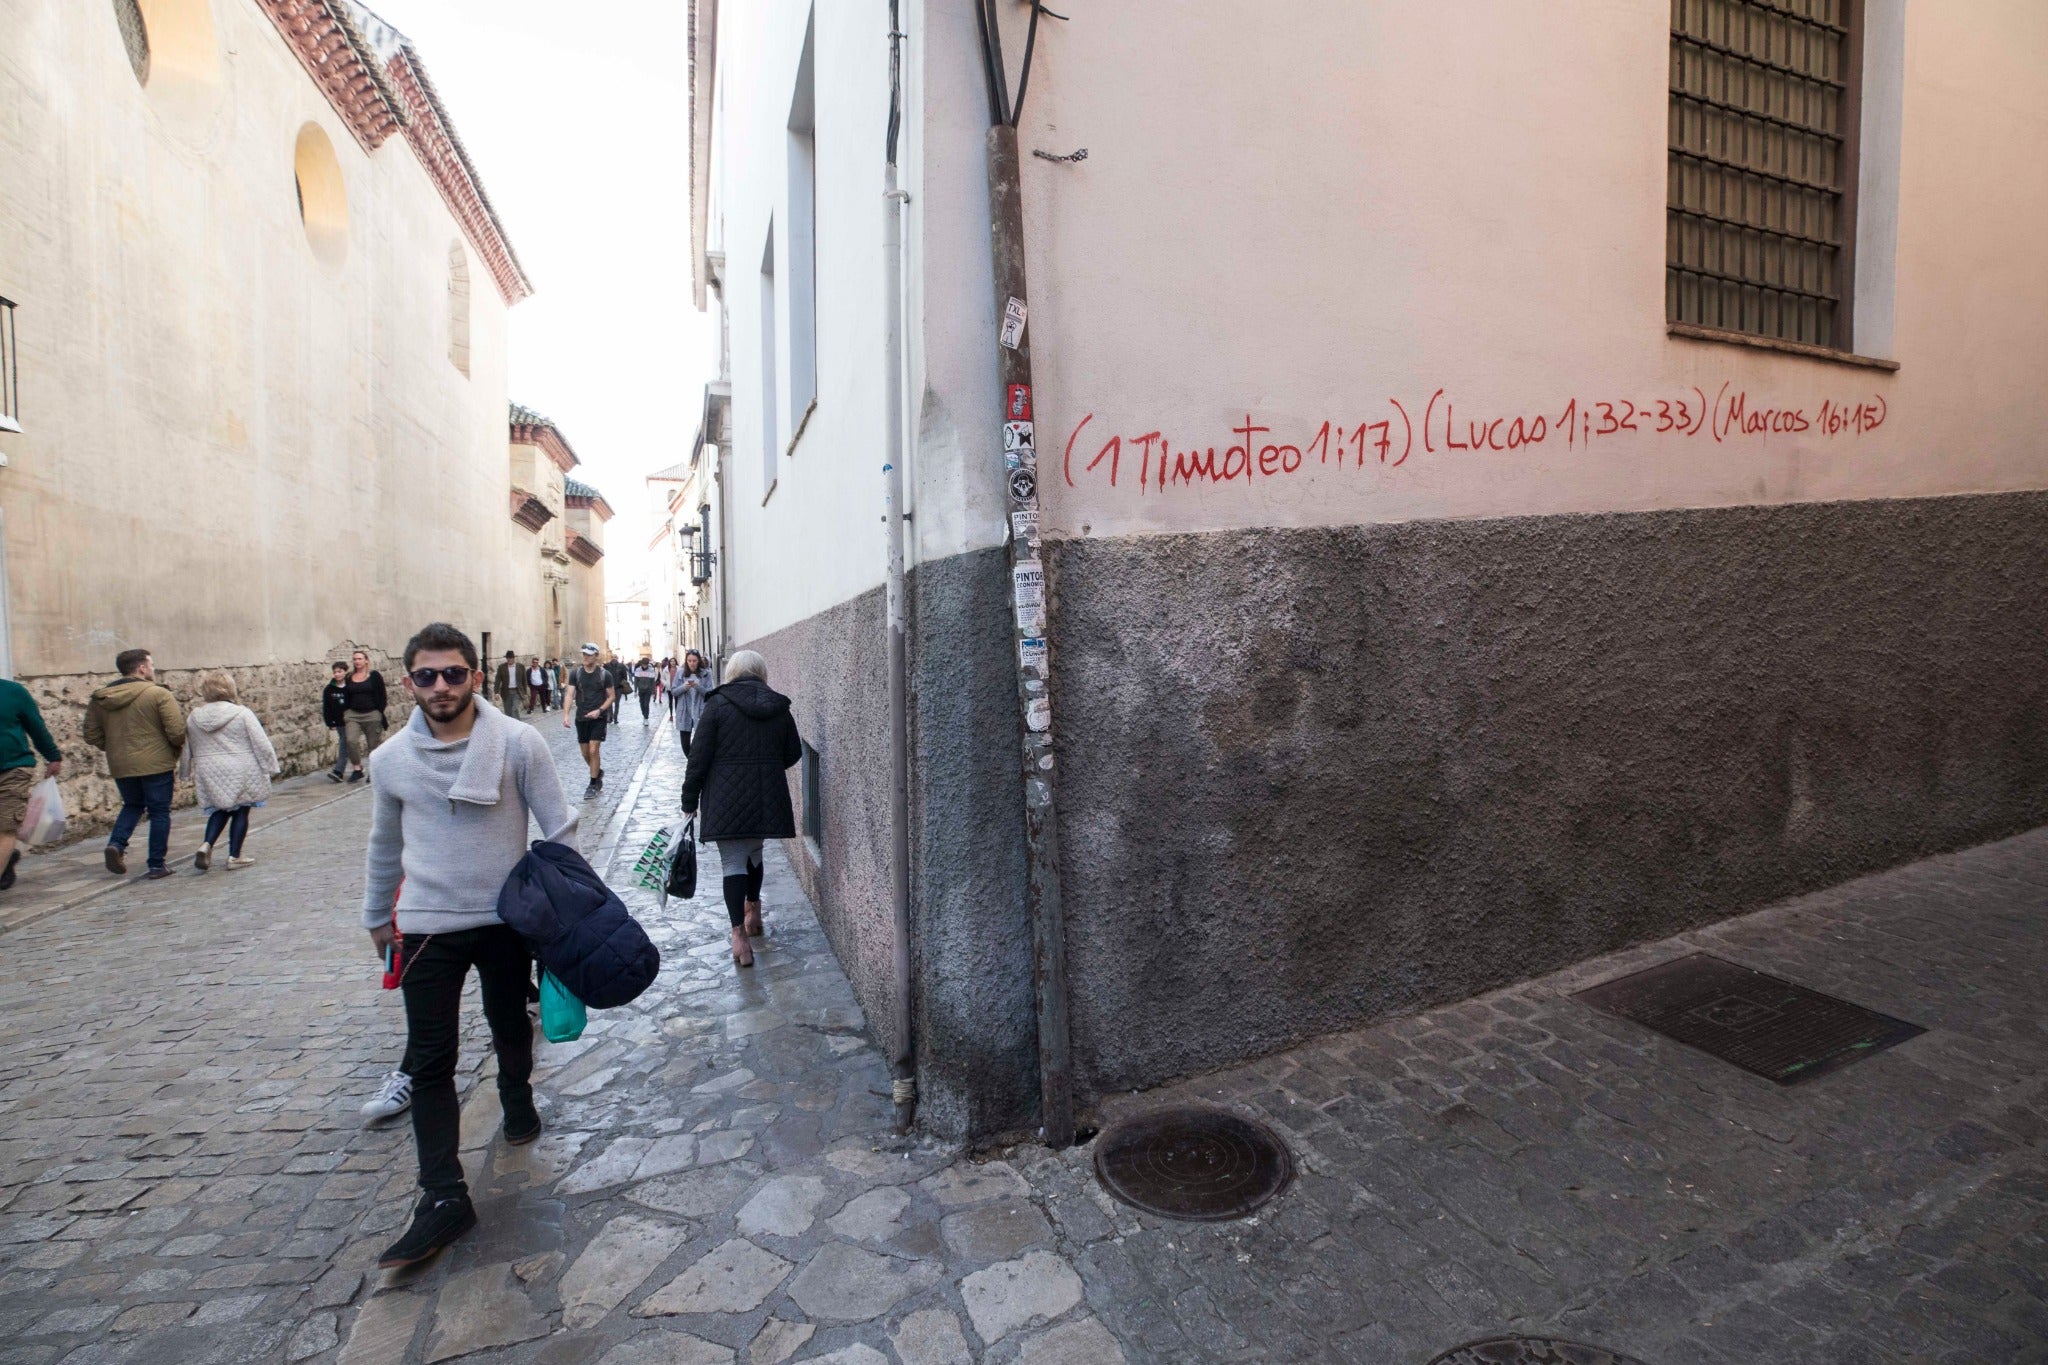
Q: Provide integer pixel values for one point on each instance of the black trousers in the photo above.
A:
(435, 968)
(646, 701)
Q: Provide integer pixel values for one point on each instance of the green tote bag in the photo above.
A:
(562, 1015)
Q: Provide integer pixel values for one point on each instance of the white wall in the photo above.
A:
(235, 452)
(1340, 207)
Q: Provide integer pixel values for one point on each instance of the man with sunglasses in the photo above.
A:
(455, 791)
(587, 696)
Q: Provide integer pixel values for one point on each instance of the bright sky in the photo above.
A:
(577, 117)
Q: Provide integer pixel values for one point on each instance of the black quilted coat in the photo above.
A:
(738, 752)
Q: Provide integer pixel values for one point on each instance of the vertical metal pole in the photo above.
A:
(1028, 601)
(901, 1056)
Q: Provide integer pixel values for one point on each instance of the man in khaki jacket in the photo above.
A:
(139, 725)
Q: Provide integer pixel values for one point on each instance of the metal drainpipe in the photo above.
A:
(902, 1057)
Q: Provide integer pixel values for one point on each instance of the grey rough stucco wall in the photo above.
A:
(1317, 777)
(972, 1003)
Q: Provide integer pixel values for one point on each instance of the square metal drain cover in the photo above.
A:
(1765, 1025)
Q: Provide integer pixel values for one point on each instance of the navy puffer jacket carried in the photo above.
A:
(578, 927)
(743, 742)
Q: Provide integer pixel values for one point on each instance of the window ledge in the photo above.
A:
(1690, 332)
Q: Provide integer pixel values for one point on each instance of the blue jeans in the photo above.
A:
(137, 793)
(341, 751)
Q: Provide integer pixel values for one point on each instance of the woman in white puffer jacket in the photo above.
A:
(230, 761)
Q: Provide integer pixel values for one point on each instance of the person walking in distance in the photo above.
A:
(686, 693)
(142, 730)
(539, 686)
(661, 682)
(334, 715)
(230, 761)
(455, 792)
(744, 741)
(508, 684)
(365, 703)
(23, 735)
(622, 683)
(587, 697)
(645, 675)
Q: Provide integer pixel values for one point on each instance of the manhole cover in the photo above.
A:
(1198, 1165)
(1531, 1351)
(1764, 1025)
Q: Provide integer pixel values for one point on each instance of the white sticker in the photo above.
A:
(1031, 656)
(1024, 526)
(1017, 435)
(1013, 322)
(1029, 582)
(1038, 715)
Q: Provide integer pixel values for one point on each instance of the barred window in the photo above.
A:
(1762, 182)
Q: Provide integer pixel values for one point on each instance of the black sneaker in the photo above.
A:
(435, 1224)
(356, 776)
(157, 874)
(7, 875)
(333, 776)
(522, 1125)
(117, 861)
(590, 792)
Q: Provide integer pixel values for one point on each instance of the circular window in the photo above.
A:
(134, 37)
(323, 200)
(172, 50)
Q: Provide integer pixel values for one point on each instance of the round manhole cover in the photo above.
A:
(1198, 1165)
(1531, 1351)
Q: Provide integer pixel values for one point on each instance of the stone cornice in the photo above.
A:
(339, 58)
(582, 549)
(529, 511)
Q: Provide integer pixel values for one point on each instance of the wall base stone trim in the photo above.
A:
(285, 696)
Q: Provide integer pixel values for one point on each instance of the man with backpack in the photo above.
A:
(455, 791)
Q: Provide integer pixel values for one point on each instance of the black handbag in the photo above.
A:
(682, 865)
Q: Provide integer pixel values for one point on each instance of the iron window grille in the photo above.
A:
(814, 797)
(10, 370)
(1761, 195)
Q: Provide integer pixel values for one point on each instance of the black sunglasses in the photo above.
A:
(455, 675)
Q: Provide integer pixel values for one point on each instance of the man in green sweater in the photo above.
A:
(21, 726)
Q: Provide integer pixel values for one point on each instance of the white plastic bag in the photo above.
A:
(44, 823)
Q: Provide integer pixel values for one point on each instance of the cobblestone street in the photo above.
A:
(184, 1177)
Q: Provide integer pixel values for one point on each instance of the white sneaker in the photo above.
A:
(394, 1099)
(236, 864)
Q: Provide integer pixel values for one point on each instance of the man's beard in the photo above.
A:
(446, 706)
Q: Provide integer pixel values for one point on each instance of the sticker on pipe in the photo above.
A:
(1013, 323)
(1038, 715)
(1024, 527)
(1031, 655)
(1018, 436)
(1027, 583)
(1019, 406)
(1024, 486)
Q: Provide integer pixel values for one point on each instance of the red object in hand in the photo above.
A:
(394, 966)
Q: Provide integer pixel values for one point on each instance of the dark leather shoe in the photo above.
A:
(117, 861)
(435, 1224)
(522, 1125)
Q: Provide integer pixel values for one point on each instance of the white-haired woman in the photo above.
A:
(739, 750)
(230, 761)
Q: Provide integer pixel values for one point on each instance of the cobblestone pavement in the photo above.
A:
(183, 1175)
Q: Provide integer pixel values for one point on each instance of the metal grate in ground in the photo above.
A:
(1193, 1164)
(1764, 1024)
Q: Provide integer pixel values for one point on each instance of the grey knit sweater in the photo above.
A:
(451, 819)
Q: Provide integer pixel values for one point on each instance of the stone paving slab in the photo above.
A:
(183, 1176)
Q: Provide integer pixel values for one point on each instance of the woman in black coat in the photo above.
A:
(743, 743)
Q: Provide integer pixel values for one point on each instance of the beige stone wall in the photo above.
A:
(285, 696)
(238, 448)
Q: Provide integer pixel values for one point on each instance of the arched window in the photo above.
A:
(323, 198)
(458, 307)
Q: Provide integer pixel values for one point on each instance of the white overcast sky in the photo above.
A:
(577, 117)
